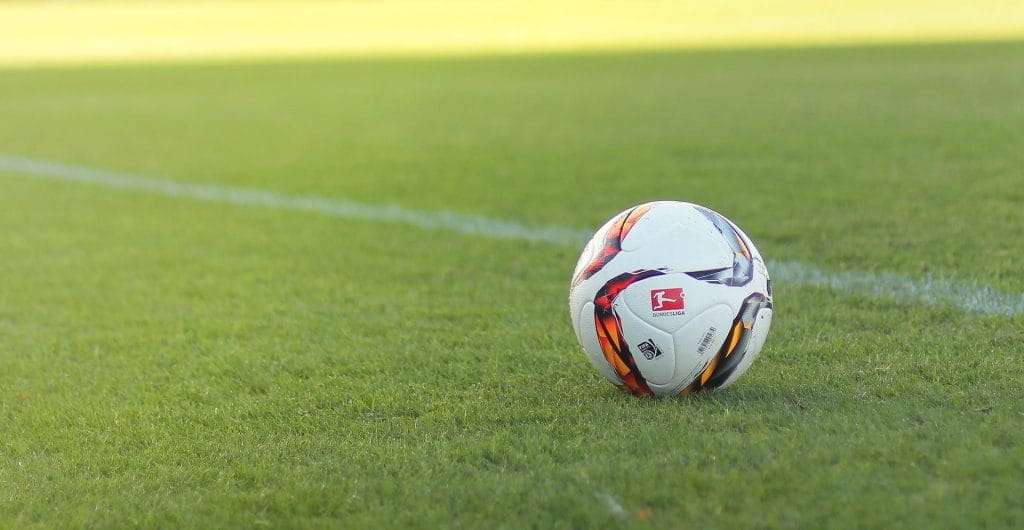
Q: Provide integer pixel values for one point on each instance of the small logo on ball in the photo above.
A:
(649, 349)
(667, 299)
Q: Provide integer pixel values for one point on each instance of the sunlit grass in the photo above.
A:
(179, 364)
(75, 32)
(171, 363)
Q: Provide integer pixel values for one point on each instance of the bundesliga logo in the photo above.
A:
(667, 299)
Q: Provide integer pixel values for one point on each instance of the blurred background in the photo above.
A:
(69, 31)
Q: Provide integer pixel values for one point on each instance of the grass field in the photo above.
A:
(172, 362)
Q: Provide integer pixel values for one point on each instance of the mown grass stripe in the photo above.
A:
(972, 297)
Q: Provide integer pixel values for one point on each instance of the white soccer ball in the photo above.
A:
(671, 298)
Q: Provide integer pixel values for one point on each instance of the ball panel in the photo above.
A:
(586, 256)
(669, 301)
(700, 340)
(677, 236)
(652, 349)
(607, 243)
(588, 339)
(758, 335)
(609, 329)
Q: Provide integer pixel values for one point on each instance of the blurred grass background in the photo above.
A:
(86, 32)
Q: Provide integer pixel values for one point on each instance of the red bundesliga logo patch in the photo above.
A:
(667, 299)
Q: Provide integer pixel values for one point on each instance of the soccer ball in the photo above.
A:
(670, 298)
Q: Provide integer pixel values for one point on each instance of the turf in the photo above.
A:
(174, 363)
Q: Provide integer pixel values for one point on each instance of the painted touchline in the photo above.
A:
(936, 292)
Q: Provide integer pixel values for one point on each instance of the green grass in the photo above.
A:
(167, 362)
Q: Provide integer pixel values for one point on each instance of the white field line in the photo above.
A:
(970, 296)
(930, 291)
(433, 220)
